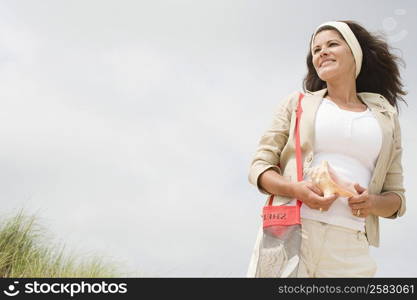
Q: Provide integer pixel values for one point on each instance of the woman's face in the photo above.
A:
(332, 57)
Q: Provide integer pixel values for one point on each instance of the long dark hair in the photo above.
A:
(379, 72)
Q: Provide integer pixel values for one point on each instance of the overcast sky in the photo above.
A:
(128, 127)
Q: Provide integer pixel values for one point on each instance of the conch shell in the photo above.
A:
(326, 179)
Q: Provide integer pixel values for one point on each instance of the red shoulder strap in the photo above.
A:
(298, 153)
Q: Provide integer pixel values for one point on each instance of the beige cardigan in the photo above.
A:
(277, 146)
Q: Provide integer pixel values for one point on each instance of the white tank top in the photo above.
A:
(350, 142)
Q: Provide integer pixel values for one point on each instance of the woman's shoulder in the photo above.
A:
(377, 100)
(289, 101)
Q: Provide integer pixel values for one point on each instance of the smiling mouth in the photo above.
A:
(326, 62)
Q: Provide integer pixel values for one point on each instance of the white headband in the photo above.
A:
(350, 39)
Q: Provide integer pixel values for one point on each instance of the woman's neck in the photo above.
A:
(344, 93)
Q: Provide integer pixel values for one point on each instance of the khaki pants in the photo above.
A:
(334, 251)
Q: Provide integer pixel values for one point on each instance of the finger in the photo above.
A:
(360, 189)
(326, 204)
(318, 200)
(324, 207)
(356, 212)
(316, 189)
(355, 199)
(353, 203)
(360, 213)
(326, 201)
(330, 198)
(358, 206)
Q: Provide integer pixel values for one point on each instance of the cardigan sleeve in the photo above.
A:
(394, 178)
(267, 155)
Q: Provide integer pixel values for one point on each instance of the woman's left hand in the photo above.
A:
(362, 204)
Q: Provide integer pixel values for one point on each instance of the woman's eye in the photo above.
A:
(331, 44)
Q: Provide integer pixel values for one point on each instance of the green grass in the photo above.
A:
(25, 251)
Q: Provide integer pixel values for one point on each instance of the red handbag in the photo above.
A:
(281, 241)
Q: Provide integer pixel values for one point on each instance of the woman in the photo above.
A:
(349, 119)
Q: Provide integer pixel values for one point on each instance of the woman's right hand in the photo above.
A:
(312, 196)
